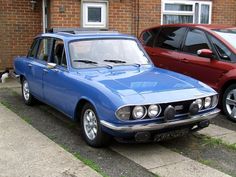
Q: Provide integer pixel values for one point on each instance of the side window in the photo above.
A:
(33, 48)
(149, 36)
(58, 55)
(195, 40)
(44, 49)
(223, 52)
(170, 38)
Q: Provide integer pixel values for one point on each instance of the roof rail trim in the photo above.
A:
(79, 30)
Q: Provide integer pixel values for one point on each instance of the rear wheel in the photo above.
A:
(26, 95)
(229, 102)
(91, 128)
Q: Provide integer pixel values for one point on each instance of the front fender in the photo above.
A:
(227, 78)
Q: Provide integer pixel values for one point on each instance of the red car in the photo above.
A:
(205, 52)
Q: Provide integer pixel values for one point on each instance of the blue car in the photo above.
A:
(107, 82)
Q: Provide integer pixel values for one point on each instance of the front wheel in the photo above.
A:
(91, 128)
(26, 95)
(229, 102)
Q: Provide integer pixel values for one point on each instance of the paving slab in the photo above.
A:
(26, 152)
(214, 131)
(187, 168)
(164, 162)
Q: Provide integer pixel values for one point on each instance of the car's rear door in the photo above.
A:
(166, 46)
(207, 70)
(36, 65)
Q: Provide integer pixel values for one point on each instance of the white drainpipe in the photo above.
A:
(44, 15)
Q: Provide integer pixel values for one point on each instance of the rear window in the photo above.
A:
(149, 36)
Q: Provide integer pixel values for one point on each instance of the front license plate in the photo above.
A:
(170, 135)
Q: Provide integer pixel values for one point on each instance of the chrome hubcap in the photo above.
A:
(90, 124)
(231, 103)
(26, 90)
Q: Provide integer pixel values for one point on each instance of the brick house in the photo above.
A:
(21, 20)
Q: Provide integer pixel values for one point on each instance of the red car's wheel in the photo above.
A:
(229, 102)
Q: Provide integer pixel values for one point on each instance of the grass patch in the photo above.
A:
(90, 163)
(217, 142)
(206, 162)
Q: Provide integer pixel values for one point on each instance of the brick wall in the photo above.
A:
(224, 12)
(67, 13)
(64, 13)
(19, 24)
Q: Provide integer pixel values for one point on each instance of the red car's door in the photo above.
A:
(207, 70)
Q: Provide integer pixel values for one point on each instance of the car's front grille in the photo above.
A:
(181, 107)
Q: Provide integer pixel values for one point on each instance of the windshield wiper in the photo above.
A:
(86, 61)
(115, 61)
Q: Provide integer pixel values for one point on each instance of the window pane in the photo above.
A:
(195, 41)
(205, 13)
(222, 50)
(178, 7)
(44, 49)
(33, 49)
(149, 36)
(170, 19)
(59, 53)
(170, 38)
(94, 14)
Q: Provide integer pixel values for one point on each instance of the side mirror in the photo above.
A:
(51, 65)
(205, 53)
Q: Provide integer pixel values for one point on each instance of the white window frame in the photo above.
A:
(190, 13)
(104, 14)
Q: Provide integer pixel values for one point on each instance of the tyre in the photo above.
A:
(91, 128)
(229, 102)
(26, 95)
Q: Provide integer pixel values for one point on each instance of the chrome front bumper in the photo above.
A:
(159, 126)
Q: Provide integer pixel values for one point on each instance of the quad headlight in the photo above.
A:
(124, 113)
(139, 112)
(200, 103)
(207, 102)
(154, 110)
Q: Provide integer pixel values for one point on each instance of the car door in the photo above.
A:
(166, 46)
(36, 65)
(207, 70)
(56, 81)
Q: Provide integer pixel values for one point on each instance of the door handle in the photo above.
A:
(185, 60)
(30, 65)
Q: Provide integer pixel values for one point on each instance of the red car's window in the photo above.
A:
(170, 38)
(195, 40)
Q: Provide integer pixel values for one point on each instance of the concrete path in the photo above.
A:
(10, 83)
(26, 152)
(214, 131)
(165, 162)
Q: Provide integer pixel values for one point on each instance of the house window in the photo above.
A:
(185, 11)
(94, 14)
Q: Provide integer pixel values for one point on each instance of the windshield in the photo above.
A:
(229, 35)
(106, 52)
